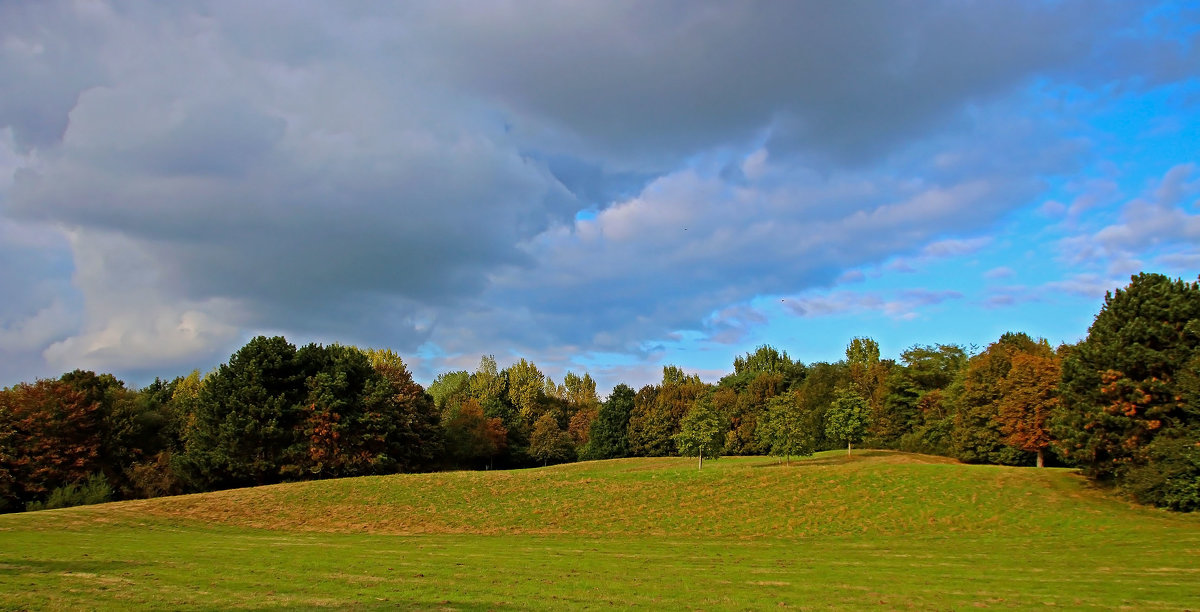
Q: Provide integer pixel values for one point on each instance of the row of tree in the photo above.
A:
(1123, 405)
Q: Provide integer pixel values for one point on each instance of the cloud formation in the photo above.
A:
(544, 178)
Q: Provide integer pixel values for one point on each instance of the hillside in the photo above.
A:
(907, 530)
(880, 492)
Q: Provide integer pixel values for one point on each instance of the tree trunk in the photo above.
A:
(1041, 458)
(847, 448)
(700, 466)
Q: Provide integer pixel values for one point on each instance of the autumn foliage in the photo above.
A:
(53, 436)
(1123, 405)
(1029, 395)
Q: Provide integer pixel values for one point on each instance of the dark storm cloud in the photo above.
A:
(414, 172)
(655, 81)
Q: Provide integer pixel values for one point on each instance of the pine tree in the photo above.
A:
(1128, 414)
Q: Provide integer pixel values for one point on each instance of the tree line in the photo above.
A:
(1123, 405)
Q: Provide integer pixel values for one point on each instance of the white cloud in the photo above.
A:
(1085, 285)
(1154, 224)
(955, 247)
(999, 272)
(34, 332)
(901, 305)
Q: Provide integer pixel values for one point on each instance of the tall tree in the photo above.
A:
(869, 376)
(526, 389)
(451, 388)
(848, 418)
(1127, 414)
(765, 358)
(916, 415)
(649, 431)
(818, 393)
(1029, 393)
(122, 428)
(548, 442)
(784, 430)
(407, 416)
(488, 383)
(54, 434)
(862, 351)
(609, 438)
(245, 427)
(977, 436)
(471, 437)
(580, 390)
(9, 487)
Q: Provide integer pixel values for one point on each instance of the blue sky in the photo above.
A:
(609, 186)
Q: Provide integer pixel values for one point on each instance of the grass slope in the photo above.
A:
(881, 529)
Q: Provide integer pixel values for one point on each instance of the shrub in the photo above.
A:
(94, 490)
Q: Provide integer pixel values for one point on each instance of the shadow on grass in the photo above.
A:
(838, 457)
(12, 567)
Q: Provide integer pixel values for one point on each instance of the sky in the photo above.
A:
(595, 186)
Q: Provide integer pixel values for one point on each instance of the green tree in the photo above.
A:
(608, 438)
(1128, 415)
(658, 410)
(862, 351)
(548, 442)
(933, 366)
(488, 383)
(784, 429)
(916, 416)
(406, 417)
(765, 358)
(848, 418)
(245, 427)
(700, 432)
(580, 390)
(450, 387)
(526, 389)
(649, 431)
(817, 394)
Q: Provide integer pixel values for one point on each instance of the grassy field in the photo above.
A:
(880, 530)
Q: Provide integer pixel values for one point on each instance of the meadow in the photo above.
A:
(877, 530)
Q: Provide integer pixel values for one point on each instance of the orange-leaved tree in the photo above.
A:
(1029, 393)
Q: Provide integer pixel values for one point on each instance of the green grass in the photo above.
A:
(881, 530)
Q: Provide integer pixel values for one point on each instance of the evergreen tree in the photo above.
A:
(1129, 412)
(245, 425)
(608, 438)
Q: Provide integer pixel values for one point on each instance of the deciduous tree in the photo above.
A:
(784, 429)
(1029, 393)
(54, 434)
(700, 432)
(847, 418)
(470, 435)
(548, 442)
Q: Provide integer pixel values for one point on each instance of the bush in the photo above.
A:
(1170, 477)
(94, 490)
